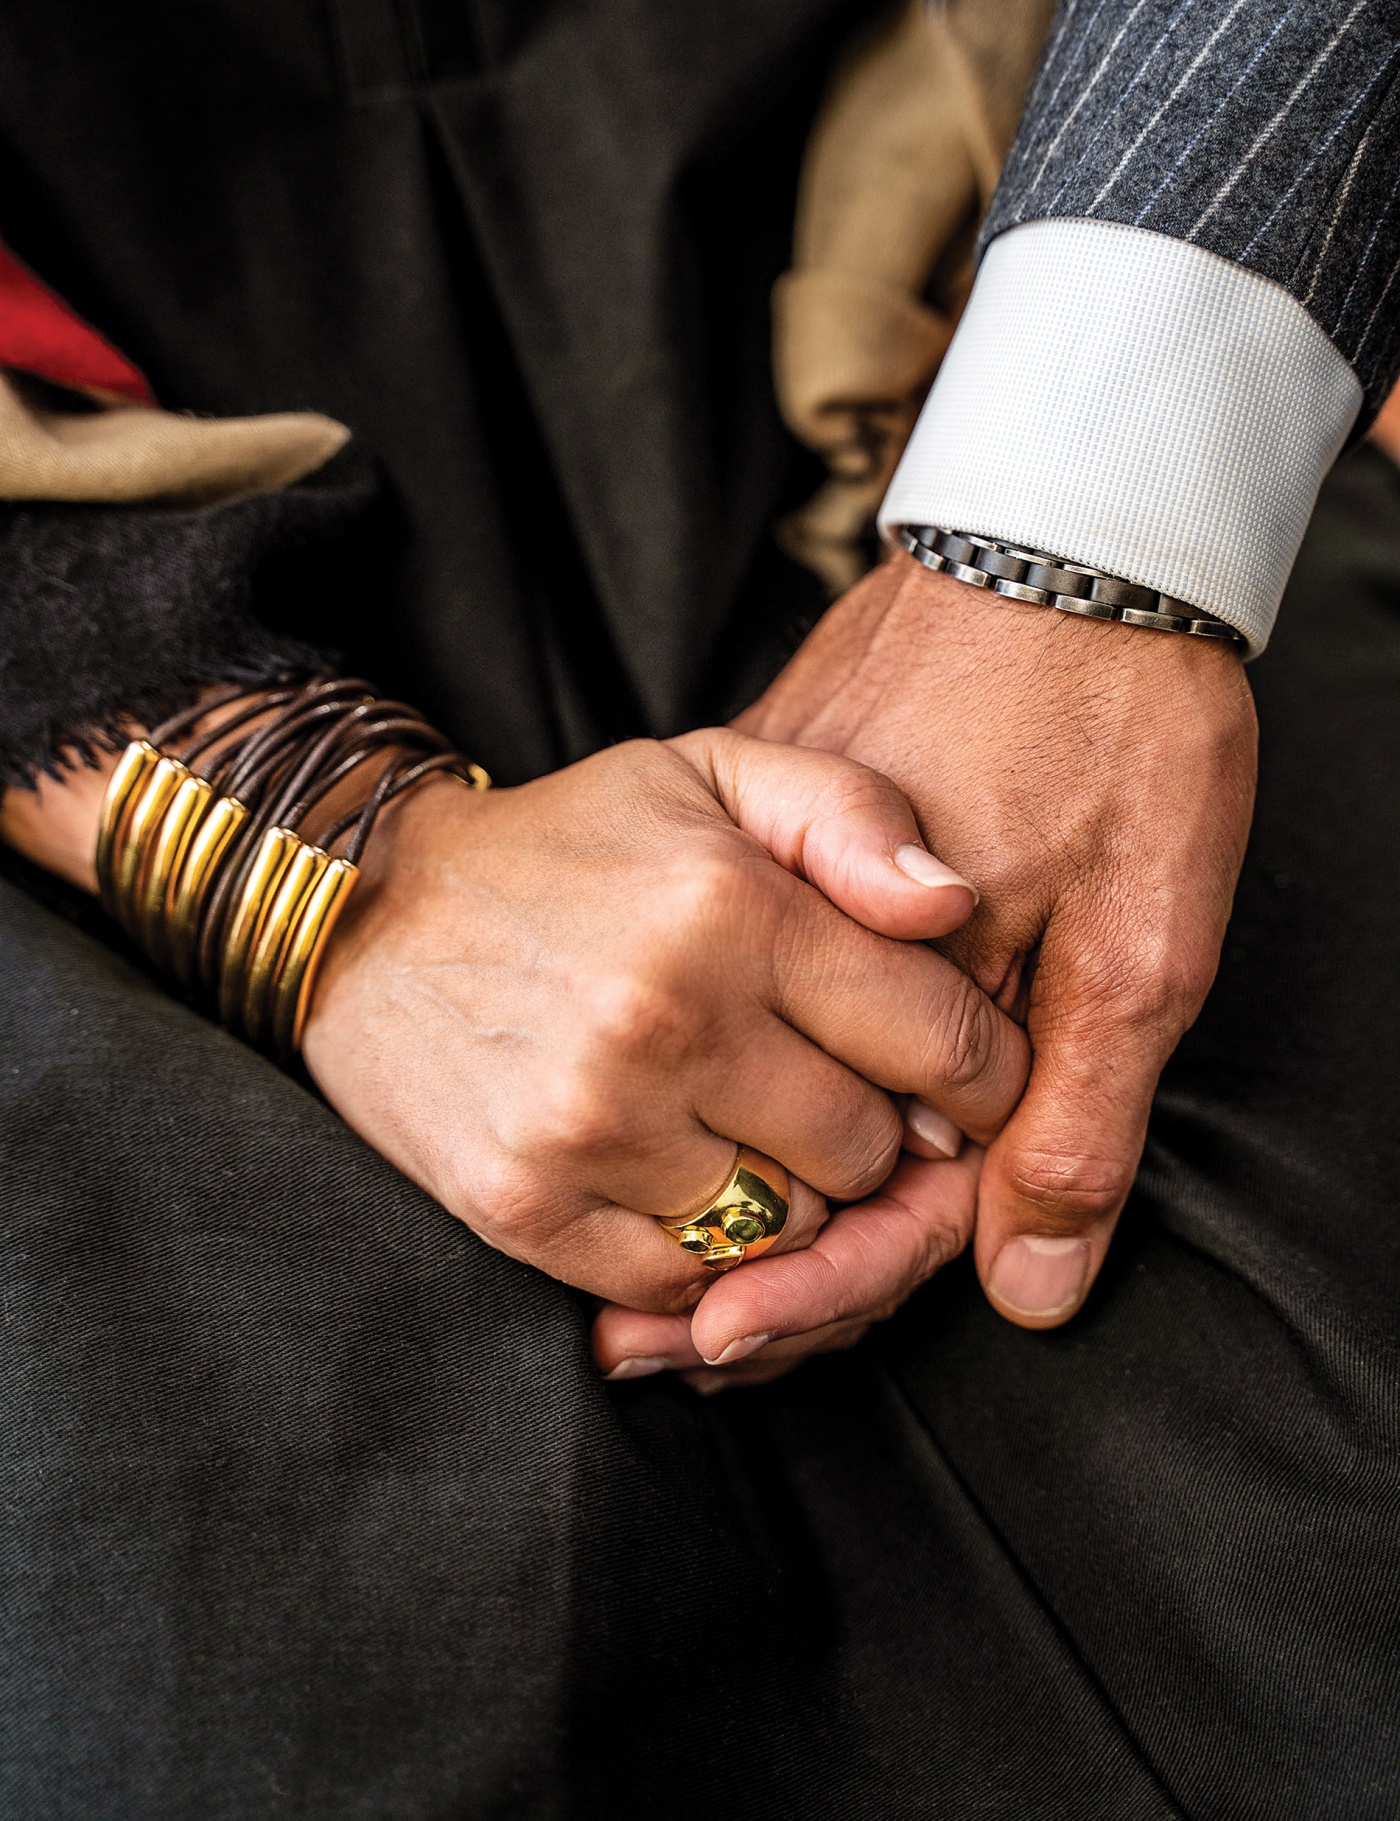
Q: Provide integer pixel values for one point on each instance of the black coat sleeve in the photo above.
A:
(114, 613)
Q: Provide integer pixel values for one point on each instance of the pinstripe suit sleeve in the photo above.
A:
(1219, 182)
(1265, 131)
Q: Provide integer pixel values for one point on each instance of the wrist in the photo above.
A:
(1038, 578)
(906, 642)
(419, 841)
(219, 841)
(55, 823)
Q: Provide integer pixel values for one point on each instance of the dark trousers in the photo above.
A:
(314, 1506)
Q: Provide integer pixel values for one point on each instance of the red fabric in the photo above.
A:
(40, 334)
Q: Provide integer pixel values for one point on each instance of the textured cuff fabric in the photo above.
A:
(1264, 132)
(111, 613)
(1123, 399)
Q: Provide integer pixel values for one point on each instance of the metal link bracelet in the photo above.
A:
(1046, 581)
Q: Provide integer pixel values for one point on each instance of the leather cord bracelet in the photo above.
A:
(205, 853)
(1033, 576)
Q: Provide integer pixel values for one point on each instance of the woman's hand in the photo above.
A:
(558, 1008)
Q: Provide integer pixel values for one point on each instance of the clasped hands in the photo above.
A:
(559, 1007)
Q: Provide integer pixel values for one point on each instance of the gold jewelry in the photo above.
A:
(208, 848)
(209, 873)
(281, 908)
(133, 768)
(187, 810)
(269, 863)
(742, 1220)
(139, 829)
(301, 958)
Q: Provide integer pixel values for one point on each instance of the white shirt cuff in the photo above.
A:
(1122, 399)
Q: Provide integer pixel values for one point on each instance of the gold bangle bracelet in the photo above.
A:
(274, 934)
(270, 862)
(197, 874)
(305, 951)
(169, 845)
(220, 890)
(132, 770)
(133, 843)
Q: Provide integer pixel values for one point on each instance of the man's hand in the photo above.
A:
(1097, 782)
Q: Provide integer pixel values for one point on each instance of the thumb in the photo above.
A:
(1059, 1172)
(845, 829)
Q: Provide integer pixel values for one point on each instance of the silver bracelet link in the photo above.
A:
(1046, 581)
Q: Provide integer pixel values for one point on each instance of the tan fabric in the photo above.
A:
(899, 170)
(128, 453)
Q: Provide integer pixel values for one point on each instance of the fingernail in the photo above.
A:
(933, 1127)
(738, 1349)
(919, 864)
(641, 1367)
(1036, 1275)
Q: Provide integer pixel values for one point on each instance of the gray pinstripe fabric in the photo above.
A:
(1267, 131)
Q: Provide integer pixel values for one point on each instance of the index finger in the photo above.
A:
(898, 1013)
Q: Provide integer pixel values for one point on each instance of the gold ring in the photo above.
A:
(742, 1220)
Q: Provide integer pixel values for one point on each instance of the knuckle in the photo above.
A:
(1166, 993)
(1153, 979)
(1178, 987)
(962, 1043)
(1068, 1190)
(850, 788)
(639, 1016)
(704, 889)
(500, 1197)
(863, 1151)
(573, 1117)
(577, 1118)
